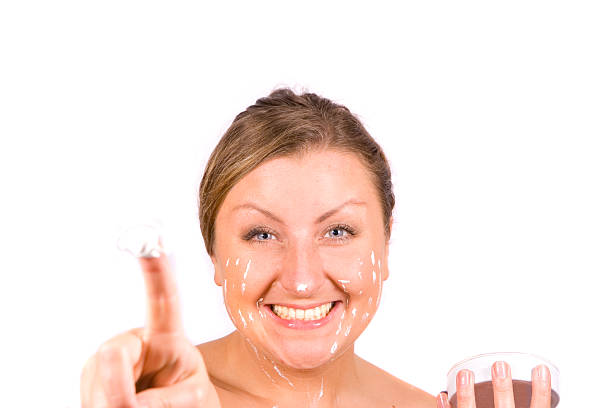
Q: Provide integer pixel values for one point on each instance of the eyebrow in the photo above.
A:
(322, 218)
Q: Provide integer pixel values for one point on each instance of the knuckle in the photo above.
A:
(199, 395)
(87, 368)
(109, 352)
(503, 386)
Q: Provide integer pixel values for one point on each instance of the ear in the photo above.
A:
(385, 266)
(219, 272)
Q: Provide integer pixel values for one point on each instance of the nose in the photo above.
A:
(302, 272)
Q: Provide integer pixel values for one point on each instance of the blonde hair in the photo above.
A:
(280, 125)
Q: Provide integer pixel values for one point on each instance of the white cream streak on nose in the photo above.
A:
(302, 287)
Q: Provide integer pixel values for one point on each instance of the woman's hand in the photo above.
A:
(503, 394)
(154, 366)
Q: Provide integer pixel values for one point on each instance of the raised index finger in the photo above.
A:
(163, 306)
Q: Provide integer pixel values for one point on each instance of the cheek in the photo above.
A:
(359, 275)
(244, 281)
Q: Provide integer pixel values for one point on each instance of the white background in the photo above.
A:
(496, 119)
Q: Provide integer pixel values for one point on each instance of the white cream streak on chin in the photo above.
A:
(258, 359)
(282, 376)
(321, 390)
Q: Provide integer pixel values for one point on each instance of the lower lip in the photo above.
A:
(306, 324)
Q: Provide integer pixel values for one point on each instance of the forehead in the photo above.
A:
(316, 180)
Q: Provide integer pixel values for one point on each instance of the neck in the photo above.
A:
(276, 382)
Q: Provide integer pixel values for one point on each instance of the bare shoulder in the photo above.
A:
(392, 392)
(214, 354)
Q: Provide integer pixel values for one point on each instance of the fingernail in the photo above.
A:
(442, 400)
(439, 402)
(500, 369)
(464, 377)
(541, 372)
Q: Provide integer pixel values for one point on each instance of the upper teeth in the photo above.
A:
(290, 313)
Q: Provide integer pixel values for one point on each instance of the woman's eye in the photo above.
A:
(259, 235)
(263, 236)
(339, 232)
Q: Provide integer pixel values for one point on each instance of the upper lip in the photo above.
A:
(294, 306)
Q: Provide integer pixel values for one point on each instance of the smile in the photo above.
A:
(315, 313)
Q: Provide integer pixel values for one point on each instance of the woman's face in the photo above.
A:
(294, 237)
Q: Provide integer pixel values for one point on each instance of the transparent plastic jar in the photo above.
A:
(521, 365)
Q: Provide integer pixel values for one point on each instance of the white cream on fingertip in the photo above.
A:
(141, 241)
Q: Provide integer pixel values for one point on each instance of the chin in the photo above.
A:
(303, 355)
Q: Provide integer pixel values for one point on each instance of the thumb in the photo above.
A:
(197, 392)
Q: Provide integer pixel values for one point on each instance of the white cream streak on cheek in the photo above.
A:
(244, 323)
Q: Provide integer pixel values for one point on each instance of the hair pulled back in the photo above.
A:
(284, 124)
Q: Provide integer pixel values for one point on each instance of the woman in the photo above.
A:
(296, 213)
